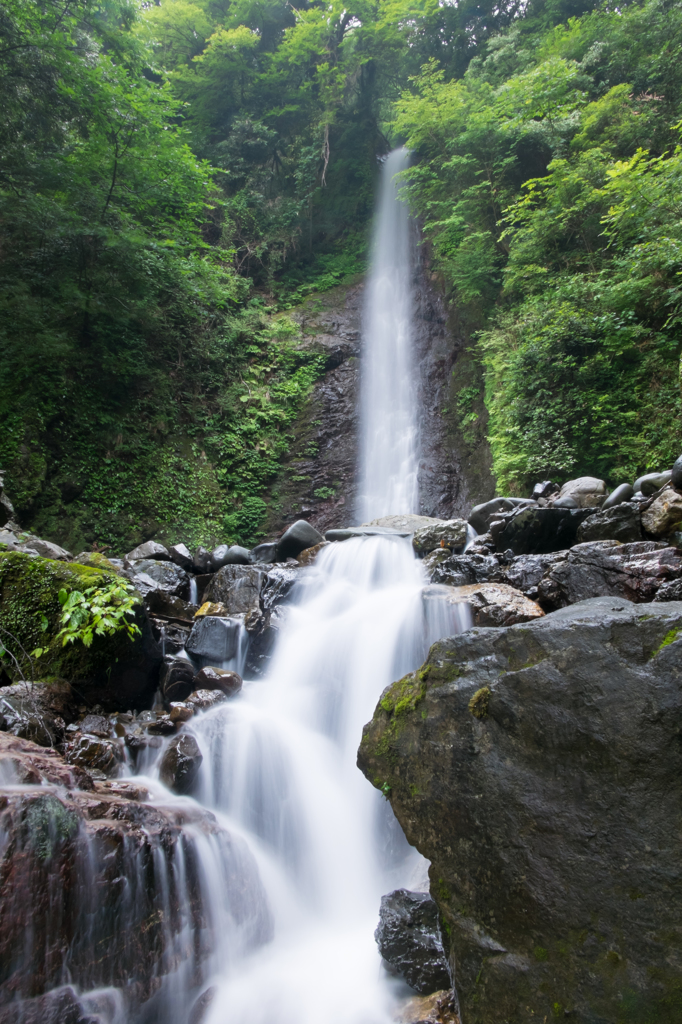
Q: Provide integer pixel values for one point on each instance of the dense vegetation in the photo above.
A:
(175, 176)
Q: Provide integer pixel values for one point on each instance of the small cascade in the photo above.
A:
(389, 434)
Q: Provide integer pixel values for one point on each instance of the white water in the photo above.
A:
(389, 442)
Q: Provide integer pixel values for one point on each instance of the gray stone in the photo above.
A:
(620, 522)
(46, 549)
(525, 572)
(175, 679)
(482, 514)
(298, 537)
(150, 549)
(490, 604)
(203, 561)
(235, 555)
(538, 768)
(407, 521)
(166, 577)
(212, 678)
(671, 591)
(587, 491)
(264, 554)
(94, 754)
(348, 532)
(460, 570)
(664, 514)
(566, 502)
(544, 489)
(652, 482)
(624, 492)
(408, 937)
(213, 640)
(237, 587)
(537, 531)
(181, 555)
(180, 763)
(676, 474)
(451, 534)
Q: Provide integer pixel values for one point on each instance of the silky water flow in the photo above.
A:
(267, 910)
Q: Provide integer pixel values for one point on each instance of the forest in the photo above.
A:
(176, 177)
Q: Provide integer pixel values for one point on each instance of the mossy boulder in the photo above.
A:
(115, 671)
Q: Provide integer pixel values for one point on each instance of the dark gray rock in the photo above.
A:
(621, 522)
(624, 492)
(150, 549)
(460, 570)
(159, 602)
(539, 769)
(238, 588)
(235, 555)
(46, 549)
(264, 628)
(365, 531)
(181, 555)
(527, 571)
(482, 514)
(213, 640)
(545, 489)
(165, 577)
(203, 561)
(566, 502)
(538, 531)
(298, 537)
(175, 679)
(24, 717)
(94, 753)
(408, 937)
(652, 482)
(265, 554)
(180, 763)
(211, 678)
(451, 534)
(671, 591)
(676, 474)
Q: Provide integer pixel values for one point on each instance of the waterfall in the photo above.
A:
(389, 460)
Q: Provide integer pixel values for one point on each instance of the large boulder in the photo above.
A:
(664, 514)
(620, 522)
(451, 534)
(116, 671)
(150, 575)
(46, 549)
(538, 767)
(652, 482)
(408, 522)
(624, 492)
(491, 604)
(238, 588)
(298, 537)
(482, 515)
(408, 937)
(180, 764)
(214, 640)
(459, 570)
(586, 491)
(536, 531)
(676, 474)
(150, 549)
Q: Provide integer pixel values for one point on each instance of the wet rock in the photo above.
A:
(481, 515)
(214, 640)
(182, 556)
(676, 474)
(298, 537)
(265, 554)
(624, 492)
(175, 679)
(664, 514)
(451, 534)
(263, 628)
(60, 1006)
(408, 937)
(409, 523)
(180, 763)
(435, 558)
(94, 754)
(348, 532)
(24, 762)
(171, 636)
(460, 570)
(568, 501)
(536, 531)
(180, 712)
(535, 767)
(527, 571)
(203, 561)
(46, 549)
(671, 591)
(167, 577)
(150, 549)
(235, 555)
(159, 603)
(586, 491)
(26, 716)
(621, 522)
(204, 700)
(238, 588)
(212, 608)
(652, 482)
(202, 1006)
(308, 555)
(438, 1008)
(212, 678)
(545, 489)
(491, 604)
(97, 725)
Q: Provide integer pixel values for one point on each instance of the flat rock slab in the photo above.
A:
(406, 522)
(539, 768)
(365, 531)
(491, 604)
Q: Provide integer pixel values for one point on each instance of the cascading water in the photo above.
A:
(388, 456)
(279, 768)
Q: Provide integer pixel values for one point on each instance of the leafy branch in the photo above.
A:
(97, 611)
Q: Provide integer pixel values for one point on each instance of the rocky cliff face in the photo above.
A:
(318, 478)
(538, 767)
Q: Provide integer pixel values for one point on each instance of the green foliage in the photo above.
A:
(98, 611)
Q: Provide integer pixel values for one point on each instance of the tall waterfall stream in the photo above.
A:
(279, 770)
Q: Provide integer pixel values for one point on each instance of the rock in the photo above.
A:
(204, 700)
(545, 489)
(211, 678)
(676, 474)
(96, 560)
(435, 558)
(214, 640)
(586, 491)
(234, 555)
(409, 523)
(491, 604)
(46, 549)
(202, 1006)
(212, 608)
(481, 515)
(203, 561)
(264, 554)
(309, 555)
(451, 534)
(180, 763)
(652, 482)
(97, 725)
(165, 577)
(620, 522)
(460, 570)
(624, 492)
(24, 717)
(180, 712)
(171, 636)
(438, 1008)
(60, 1006)
(175, 679)
(237, 588)
(348, 532)
(159, 602)
(263, 628)
(536, 531)
(181, 555)
(671, 591)
(150, 549)
(408, 937)
(535, 766)
(566, 502)
(298, 537)
(525, 573)
(94, 754)
(23, 762)
(664, 514)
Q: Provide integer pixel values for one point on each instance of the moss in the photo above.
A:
(540, 954)
(478, 705)
(404, 695)
(47, 823)
(668, 639)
